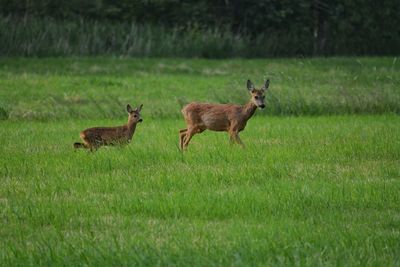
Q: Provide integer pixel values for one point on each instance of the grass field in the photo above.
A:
(50, 89)
(306, 191)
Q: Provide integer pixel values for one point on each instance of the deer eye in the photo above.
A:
(135, 116)
(263, 96)
(256, 97)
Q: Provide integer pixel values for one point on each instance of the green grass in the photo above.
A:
(95, 88)
(306, 190)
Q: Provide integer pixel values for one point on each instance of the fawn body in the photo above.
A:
(231, 118)
(95, 137)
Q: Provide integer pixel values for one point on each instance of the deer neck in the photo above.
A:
(248, 110)
(130, 128)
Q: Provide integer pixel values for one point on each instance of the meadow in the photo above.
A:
(316, 185)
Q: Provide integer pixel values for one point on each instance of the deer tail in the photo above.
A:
(79, 145)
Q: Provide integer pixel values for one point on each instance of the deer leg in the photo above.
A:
(231, 139)
(188, 137)
(90, 144)
(234, 137)
(86, 143)
(182, 134)
(238, 140)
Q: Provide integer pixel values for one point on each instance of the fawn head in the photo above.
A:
(257, 95)
(134, 114)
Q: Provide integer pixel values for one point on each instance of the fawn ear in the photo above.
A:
(266, 84)
(139, 108)
(129, 108)
(250, 85)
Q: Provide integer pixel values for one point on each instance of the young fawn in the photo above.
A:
(95, 137)
(229, 118)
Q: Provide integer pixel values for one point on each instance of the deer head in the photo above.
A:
(257, 95)
(134, 114)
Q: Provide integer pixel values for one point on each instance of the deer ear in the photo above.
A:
(140, 107)
(250, 85)
(129, 108)
(266, 84)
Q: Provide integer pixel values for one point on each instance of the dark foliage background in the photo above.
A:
(247, 28)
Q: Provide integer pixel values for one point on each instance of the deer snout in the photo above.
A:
(140, 120)
(262, 106)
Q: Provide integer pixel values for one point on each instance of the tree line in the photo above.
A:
(302, 28)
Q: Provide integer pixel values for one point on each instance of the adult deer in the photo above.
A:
(95, 137)
(229, 118)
